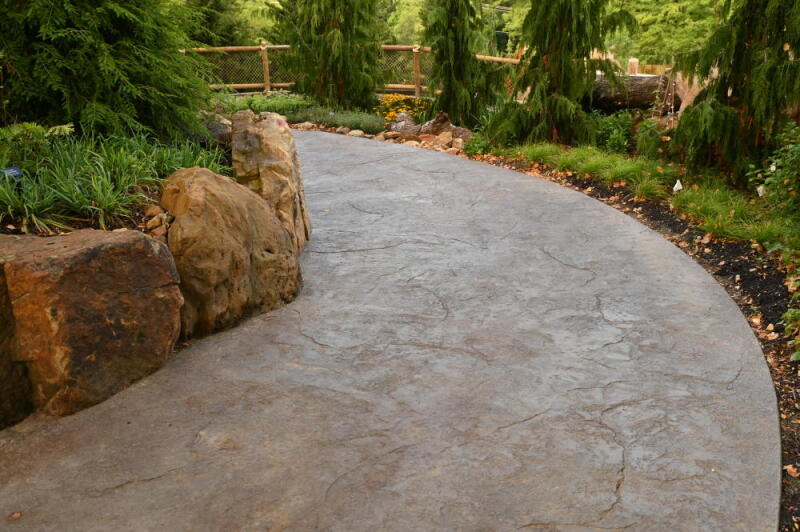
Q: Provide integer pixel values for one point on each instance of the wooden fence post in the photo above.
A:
(417, 75)
(265, 64)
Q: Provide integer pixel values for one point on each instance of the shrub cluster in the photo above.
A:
(781, 179)
(281, 102)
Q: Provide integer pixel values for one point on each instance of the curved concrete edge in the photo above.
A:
(475, 349)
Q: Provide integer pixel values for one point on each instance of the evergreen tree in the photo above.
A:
(220, 22)
(106, 65)
(753, 79)
(557, 71)
(465, 85)
(335, 48)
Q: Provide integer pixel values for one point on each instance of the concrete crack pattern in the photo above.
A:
(474, 349)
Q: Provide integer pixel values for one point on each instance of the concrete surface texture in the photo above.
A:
(475, 349)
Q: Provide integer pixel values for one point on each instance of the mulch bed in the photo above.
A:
(754, 279)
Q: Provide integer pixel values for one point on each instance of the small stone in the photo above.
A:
(427, 138)
(380, 137)
(412, 143)
(153, 210)
(392, 135)
(453, 151)
(156, 221)
(444, 139)
(304, 126)
(343, 130)
(159, 231)
(356, 133)
(415, 138)
(458, 143)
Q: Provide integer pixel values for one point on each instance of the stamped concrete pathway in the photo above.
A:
(475, 350)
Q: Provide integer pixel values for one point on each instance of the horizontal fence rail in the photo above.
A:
(265, 67)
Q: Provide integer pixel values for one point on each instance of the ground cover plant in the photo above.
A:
(67, 181)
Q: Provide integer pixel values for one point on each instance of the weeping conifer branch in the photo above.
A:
(752, 77)
(557, 73)
(335, 48)
(465, 86)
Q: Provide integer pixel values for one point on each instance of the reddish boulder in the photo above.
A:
(16, 401)
(93, 312)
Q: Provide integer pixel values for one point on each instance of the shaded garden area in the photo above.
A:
(98, 107)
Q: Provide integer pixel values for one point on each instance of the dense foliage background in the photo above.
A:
(105, 65)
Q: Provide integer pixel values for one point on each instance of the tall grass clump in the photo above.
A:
(89, 181)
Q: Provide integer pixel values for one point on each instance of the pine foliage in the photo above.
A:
(752, 72)
(557, 72)
(335, 48)
(466, 85)
(220, 22)
(106, 65)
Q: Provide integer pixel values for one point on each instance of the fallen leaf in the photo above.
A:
(14, 516)
(707, 238)
(792, 470)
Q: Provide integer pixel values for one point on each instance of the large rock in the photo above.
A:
(265, 160)
(441, 124)
(233, 254)
(16, 400)
(406, 127)
(93, 311)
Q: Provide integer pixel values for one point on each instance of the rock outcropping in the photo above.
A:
(233, 254)
(85, 315)
(265, 160)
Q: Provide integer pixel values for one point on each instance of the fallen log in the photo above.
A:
(641, 91)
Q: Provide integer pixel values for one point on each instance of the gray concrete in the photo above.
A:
(475, 350)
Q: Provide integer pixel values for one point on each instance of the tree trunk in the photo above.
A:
(641, 92)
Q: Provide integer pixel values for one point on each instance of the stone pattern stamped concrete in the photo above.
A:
(474, 350)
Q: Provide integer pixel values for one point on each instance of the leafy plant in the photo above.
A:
(477, 145)
(613, 132)
(281, 102)
(391, 105)
(108, 66)
(220, 22)
(781, 179)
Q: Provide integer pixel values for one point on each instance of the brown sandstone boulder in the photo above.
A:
(93, 311)
(16, 400)
(233, 254)
(265, 160)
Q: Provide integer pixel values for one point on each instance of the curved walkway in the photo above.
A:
(475, 350)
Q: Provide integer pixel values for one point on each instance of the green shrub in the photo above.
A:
(108, 66)
(649, 140)
(781, 179)
(614, 132)
(281, 102)
(326, 116)
(98, 181)
(477, 145)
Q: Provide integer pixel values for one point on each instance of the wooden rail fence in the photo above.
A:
(408, 67)
(263, 67)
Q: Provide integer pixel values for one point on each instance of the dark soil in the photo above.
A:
(754, 279)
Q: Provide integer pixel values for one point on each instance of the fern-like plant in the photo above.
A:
(752, 72)
(109, 66)
(335, 48)
(462, 85)
(557, 71)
